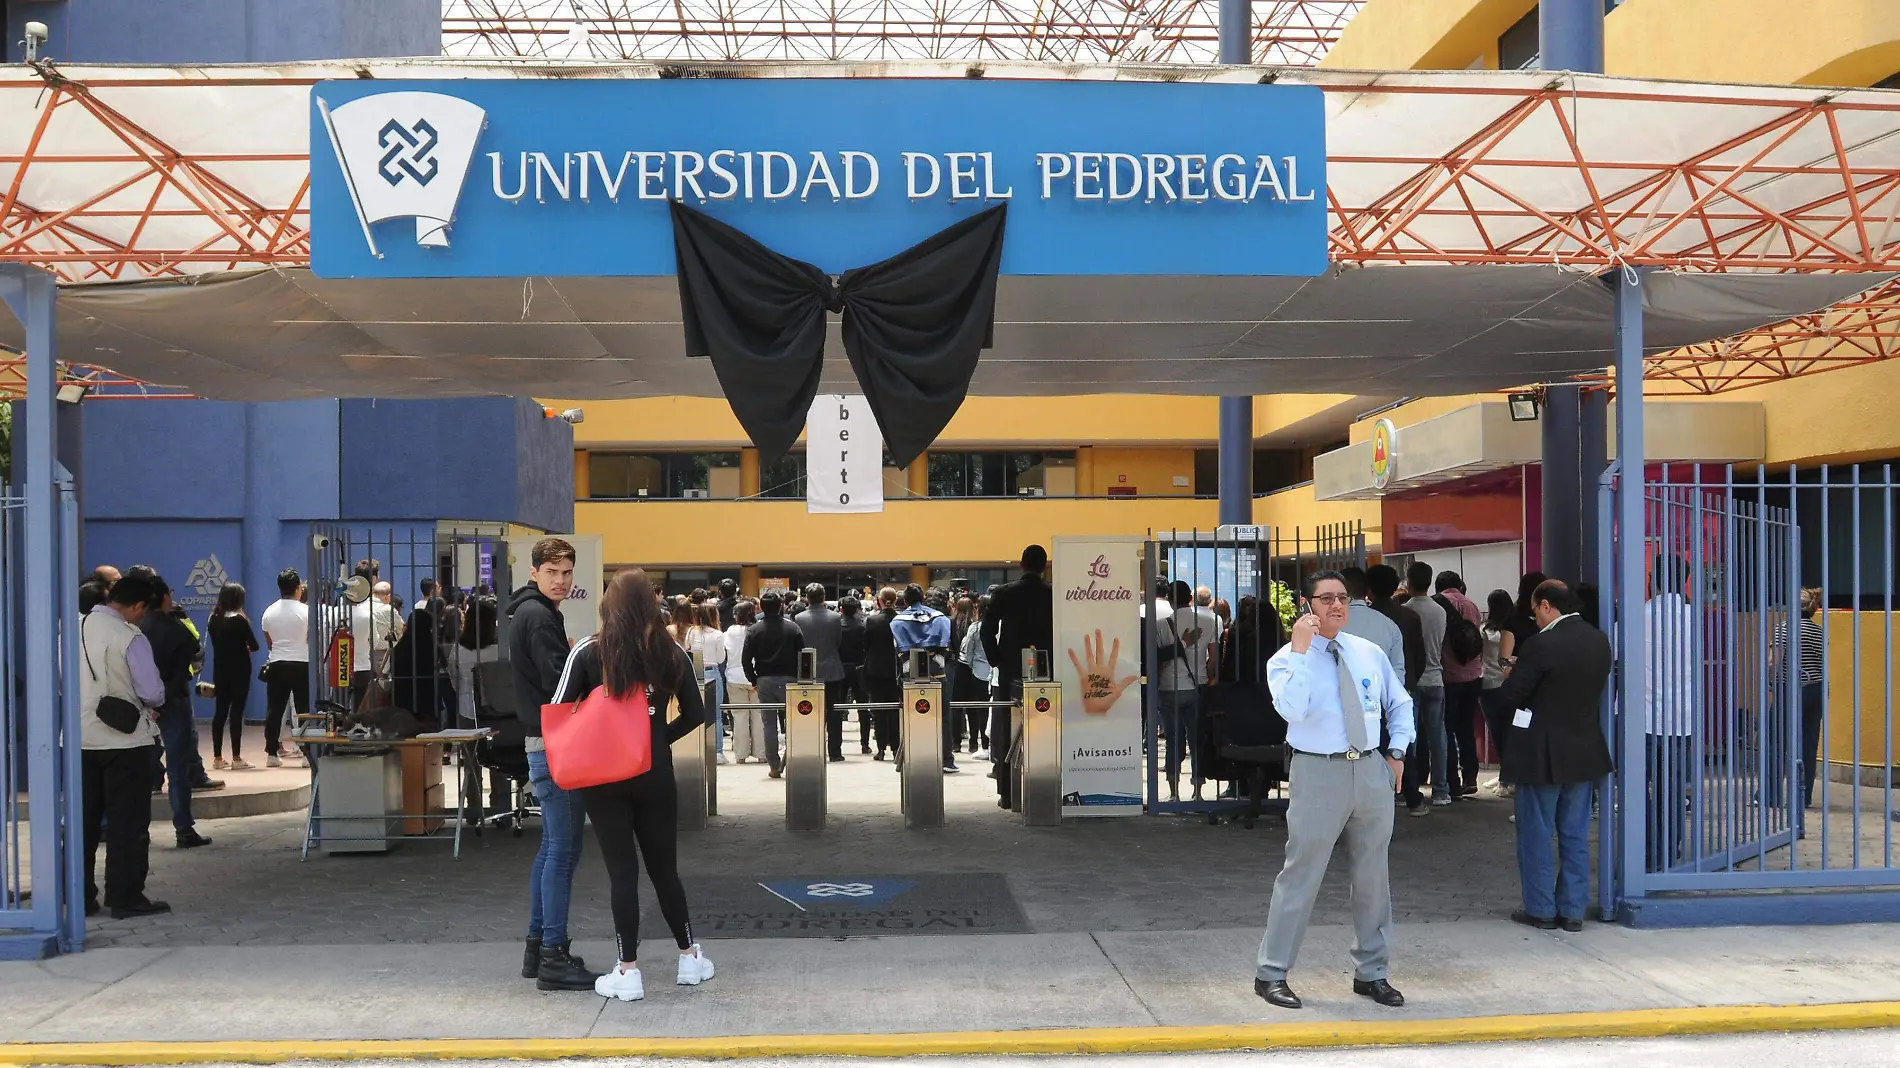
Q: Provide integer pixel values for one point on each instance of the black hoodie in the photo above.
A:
(537, 647)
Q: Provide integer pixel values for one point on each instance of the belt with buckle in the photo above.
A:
(1350, 754)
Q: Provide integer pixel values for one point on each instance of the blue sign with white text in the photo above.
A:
(571, 177)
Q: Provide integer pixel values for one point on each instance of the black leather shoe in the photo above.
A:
(141, 907)
(531, 959)
(1570, 925)
(1276, 992)
(192, 840)
(1528, 920)
(560, 971)
(1380, 991)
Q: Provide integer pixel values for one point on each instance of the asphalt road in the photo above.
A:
(1836, 1049)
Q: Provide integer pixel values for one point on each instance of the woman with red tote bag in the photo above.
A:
(632, 663)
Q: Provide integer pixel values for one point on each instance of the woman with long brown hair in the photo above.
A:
(636, 817)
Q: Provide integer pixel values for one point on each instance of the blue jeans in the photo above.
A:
(551, 880)
(1181, 725)
(1562, 813)
(1428, 751)
(182, 766)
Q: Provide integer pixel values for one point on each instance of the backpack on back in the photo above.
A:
(1462, 639)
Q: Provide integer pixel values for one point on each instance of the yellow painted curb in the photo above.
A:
(1647, 1023)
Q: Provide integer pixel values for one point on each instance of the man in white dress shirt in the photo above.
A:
(1342, 781)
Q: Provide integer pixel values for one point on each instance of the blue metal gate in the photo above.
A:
(1769, 637)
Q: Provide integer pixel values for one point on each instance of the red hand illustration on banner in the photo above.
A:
(1100, 690)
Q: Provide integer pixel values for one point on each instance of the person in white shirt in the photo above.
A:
(1336, 691)
(748, 724)
(375, 628)
(1184, 641)
(286, 627)
(1670, 663)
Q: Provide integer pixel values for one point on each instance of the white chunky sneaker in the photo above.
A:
(695, 968)
(627, 986)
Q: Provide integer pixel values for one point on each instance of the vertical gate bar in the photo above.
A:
(1759, 712)
(1795, 650)
(1151, 668)
(72, 792)
(1854, 540)
(1827, 648)
(1886, 634)
(1697, 842)
(1611, 804)
(1730, 684)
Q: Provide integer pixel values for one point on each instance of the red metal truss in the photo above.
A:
(99, 235)
(1795, 181)
(1472, 205)
(1286, 32)
(99, 383)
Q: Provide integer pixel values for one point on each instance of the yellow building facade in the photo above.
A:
(673, 485)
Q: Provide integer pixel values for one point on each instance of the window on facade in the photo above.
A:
(1518, 46)
(990, 474)
(624, 475)
(784, 477)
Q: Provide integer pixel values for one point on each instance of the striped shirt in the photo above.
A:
(1811, 649)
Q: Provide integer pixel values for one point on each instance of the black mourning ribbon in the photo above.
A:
(914, 326)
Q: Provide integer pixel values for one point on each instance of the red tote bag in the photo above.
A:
(598, 739)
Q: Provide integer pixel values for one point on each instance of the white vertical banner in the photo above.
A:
(580, 613)
(1097, 586)
(844, 456)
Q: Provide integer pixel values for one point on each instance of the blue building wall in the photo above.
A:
(226, 31)
(210, 490)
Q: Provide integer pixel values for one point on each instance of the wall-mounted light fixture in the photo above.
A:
(1523, 407)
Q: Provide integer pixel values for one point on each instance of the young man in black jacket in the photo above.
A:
(537, 649)
(1021, 617)
(770, 661)
(880, 670)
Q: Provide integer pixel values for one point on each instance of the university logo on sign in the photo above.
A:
(405, 155)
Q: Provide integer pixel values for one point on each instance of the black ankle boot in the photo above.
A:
(560, 971)
(531, 960)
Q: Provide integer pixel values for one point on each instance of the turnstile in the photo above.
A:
(693, 765)
(920, 731)
(805, 793)
(1038, 790)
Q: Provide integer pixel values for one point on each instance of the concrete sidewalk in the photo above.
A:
(909, 984)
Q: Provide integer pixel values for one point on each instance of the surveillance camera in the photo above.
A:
(36, 35)
(319, 542)
(573, 416)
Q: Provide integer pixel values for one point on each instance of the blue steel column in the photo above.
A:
(1593, 432)
(1236, 413)
(1570, 35)
(1563, 484)
(31, 293)
(1630, 543)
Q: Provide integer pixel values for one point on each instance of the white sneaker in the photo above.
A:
(980, 754)
(273, 761)
(627, 986)
(721, 758)
(695, 968)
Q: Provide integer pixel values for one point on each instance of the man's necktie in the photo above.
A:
(1349, 703)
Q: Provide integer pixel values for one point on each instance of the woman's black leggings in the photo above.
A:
(640, 811)
(232, 695)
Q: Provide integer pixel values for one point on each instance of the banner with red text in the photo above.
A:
(1097, 584)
